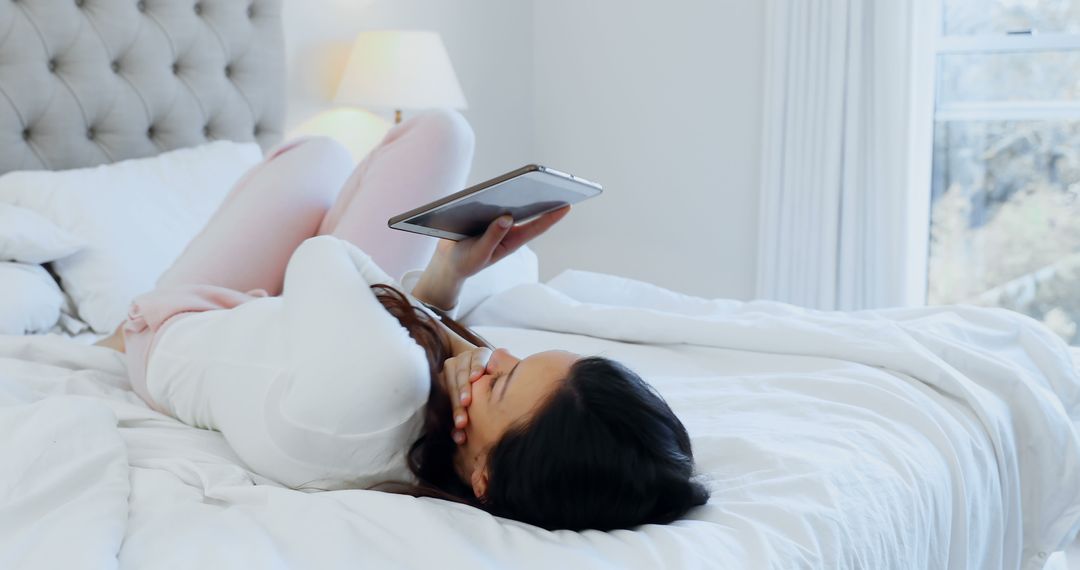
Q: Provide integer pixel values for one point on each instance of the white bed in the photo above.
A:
(922, 438)
(813, 461)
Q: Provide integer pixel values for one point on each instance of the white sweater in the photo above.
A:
(318, 387)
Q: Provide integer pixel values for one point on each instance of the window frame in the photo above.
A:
(1017, 110)
(1020, 41)
(939, 44)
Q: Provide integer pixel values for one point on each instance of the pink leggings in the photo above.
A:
(304, 188)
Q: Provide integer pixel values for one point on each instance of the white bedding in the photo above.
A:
(828, 441)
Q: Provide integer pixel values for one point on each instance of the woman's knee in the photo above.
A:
(446, 128)
(311, 146)
(308, 165)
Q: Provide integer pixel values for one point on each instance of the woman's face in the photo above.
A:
(508, 394)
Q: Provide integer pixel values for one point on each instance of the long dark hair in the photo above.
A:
(604, 451)
(431, 456)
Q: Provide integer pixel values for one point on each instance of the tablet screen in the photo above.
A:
(522, 197)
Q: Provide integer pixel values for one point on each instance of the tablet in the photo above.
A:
(525, 193)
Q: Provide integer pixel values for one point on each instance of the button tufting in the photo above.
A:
(176, 68)
(251, 10)
(258, 130)
(198, 7)
(115, 66)
(26, 134)
(150, 131)
(80, 3)
(228, 71)
(141, 5)
(52, 66)
(206, 131)
(90, 133)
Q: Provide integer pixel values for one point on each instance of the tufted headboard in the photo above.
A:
(86, 82)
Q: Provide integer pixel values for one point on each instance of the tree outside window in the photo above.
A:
(1005, 214)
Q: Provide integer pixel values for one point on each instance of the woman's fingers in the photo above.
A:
(459, 398)
(459, 373)
(450, 381)
(477, 362)
(469, 256)
(461, 395)
(501, 238)
(524, 233)
(485, 245)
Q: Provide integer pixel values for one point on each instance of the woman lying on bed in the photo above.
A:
(321, 372)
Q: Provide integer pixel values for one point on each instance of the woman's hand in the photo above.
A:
(470, 256)
(456, 261)
(458, 374)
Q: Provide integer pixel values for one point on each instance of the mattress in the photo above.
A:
(812, 461)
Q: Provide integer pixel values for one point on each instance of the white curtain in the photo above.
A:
(847, 146)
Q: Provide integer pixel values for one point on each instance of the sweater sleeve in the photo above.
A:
(355, 369)
(320, 386)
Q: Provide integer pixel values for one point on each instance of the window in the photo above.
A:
(1005, 203)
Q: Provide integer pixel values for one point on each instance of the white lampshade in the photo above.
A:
(400, 70)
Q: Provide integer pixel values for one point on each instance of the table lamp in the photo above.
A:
(399, 70)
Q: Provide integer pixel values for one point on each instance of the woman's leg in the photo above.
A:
(291, 195)
(246, 245)
(420, 160)
(277, 205)
(274, 207)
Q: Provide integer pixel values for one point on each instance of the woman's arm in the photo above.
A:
(439, 285)
(333, 324)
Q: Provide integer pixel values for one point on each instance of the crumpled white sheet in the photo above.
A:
(63, 463)
(1012, 373)
(935, 438)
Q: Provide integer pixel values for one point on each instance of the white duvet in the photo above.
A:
(921, 438)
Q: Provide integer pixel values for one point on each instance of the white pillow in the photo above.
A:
(30, 299)
(519, 267)
(28, 237)
(135, 217)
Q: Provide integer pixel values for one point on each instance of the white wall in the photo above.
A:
(661, 103)
(489, 41)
